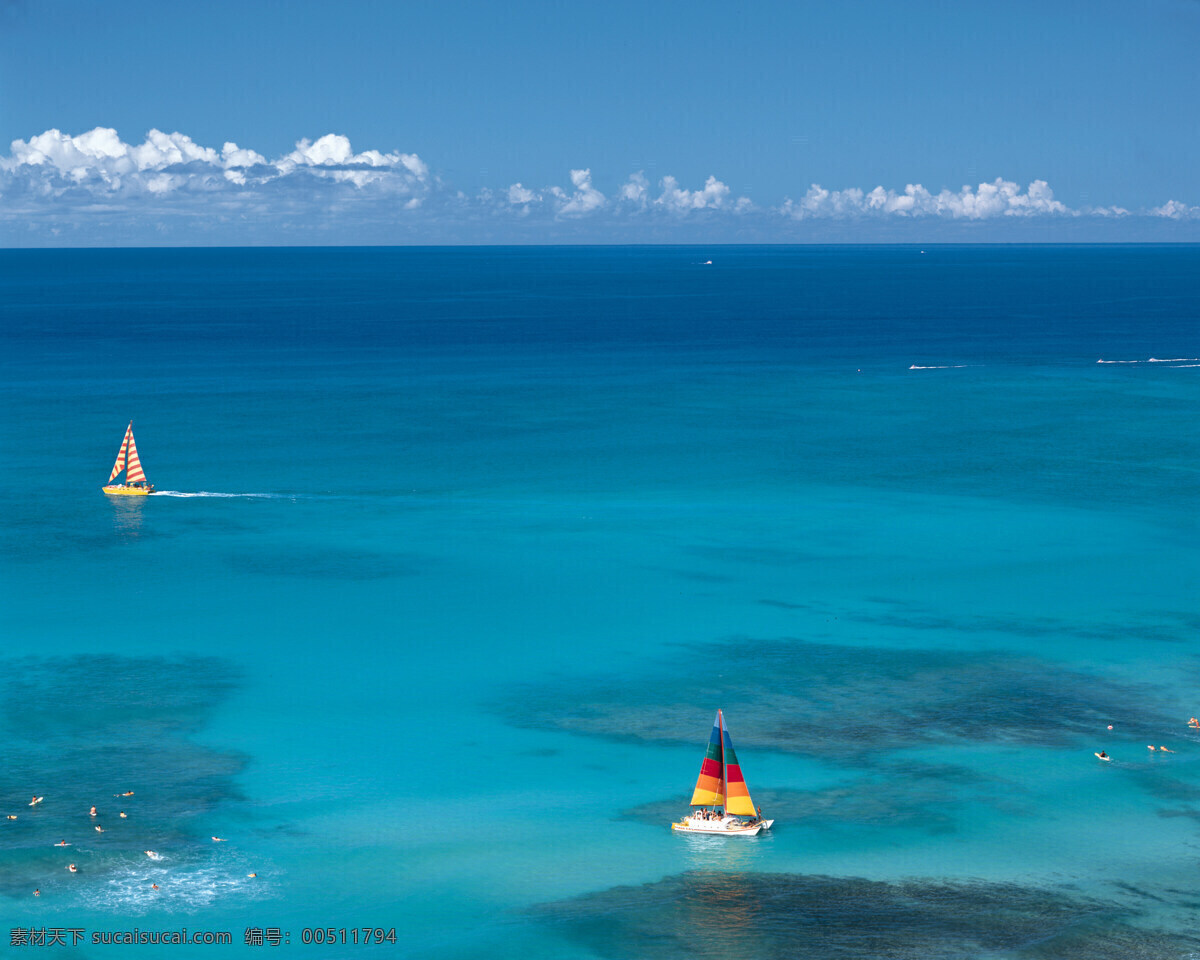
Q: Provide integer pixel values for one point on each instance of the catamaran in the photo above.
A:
(135, 484)
(721, 793)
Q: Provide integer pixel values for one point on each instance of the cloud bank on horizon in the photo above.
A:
(57, 187)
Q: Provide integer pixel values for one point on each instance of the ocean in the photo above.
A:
(455, 552)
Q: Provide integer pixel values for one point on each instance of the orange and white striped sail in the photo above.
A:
(120, 464)
(133, 469)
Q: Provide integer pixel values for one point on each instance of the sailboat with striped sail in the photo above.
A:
(135, 484)
(721, 794)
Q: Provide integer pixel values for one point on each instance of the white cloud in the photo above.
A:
(54, 183)
(633, 197)
(332, 156)
(995, 199)
(635, 190)
(234, 156)
(586, 198)
(1174, 210)
(102, 164)
(674, 197)
(518, 194)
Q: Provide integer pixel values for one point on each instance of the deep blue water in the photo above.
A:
(458, 550)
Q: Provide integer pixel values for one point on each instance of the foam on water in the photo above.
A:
(1179, 360)
(227, 496)
(130, 891)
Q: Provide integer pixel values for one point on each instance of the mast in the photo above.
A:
(724, 771)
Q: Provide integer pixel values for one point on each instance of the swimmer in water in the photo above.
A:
(154, 886)
(1165, 750)
(124, 815)
(151, 854)
(37, 893)
(1149, 746)
(73, 868)
(92, 812)
(12, 816)
(252, 874)
(219, 840)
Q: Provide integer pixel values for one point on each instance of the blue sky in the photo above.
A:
(469, 122)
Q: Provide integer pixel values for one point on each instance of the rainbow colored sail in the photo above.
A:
(721, 782)
(710, 787)
(737, 794)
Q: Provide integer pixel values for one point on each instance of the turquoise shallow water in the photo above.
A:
(457, 551)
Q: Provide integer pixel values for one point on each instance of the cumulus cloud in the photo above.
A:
(54, 164)
(55, 182)
(518, 194)
(634, 196)
(635, 190)
(1174, 210)
(712, 196)
(584, 200)
(999, 198)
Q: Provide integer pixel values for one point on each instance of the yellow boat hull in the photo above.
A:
(120, 490)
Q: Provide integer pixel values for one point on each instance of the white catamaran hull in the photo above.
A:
(725, 827)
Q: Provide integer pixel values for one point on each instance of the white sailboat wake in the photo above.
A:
(233, 496)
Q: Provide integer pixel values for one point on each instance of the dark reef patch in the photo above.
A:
(78, 730)
(778, 916)
(901, 615)
(1163, 785)
(1188, 812)
(888, 799)
(837, 700)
